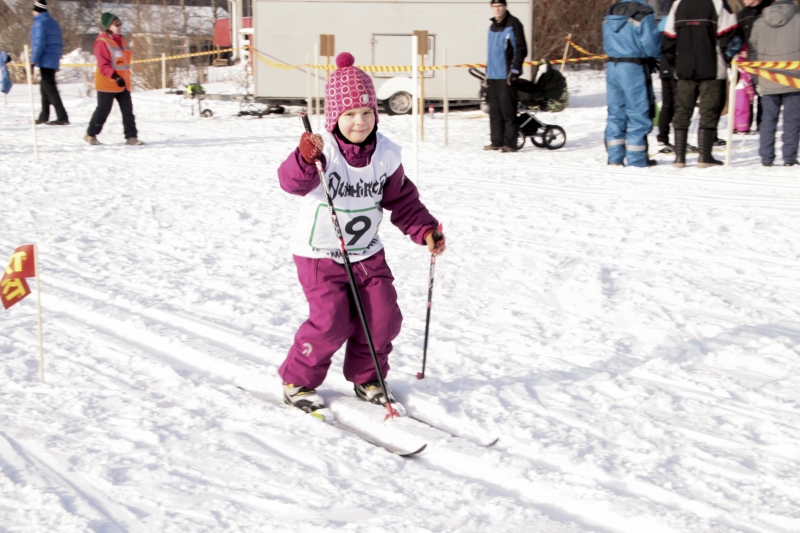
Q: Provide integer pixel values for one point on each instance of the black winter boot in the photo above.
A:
(681, 136)
(705, 143)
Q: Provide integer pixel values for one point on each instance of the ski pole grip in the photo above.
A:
(306, 123)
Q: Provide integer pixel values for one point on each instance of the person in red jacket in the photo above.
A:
(112, 80)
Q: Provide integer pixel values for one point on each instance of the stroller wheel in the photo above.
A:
(554, 137)
(538, 139)
(520, 140)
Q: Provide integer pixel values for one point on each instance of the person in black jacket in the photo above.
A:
(507, 51)
(695, 36)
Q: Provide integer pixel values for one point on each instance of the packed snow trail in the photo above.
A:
(630, 334)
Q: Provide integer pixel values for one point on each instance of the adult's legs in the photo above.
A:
(104, 102)
(686, 92)
(791, 127)
(508, 108)
(771, 106)
(44, 114)
(637, 107)
(667, 109)
(712, 101)
(383, 316)
(50, 88)
(328, 326)
(126, 107)
(617, 121)
(494, 99)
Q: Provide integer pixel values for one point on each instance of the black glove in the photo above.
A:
(512, 76)
(117, 78)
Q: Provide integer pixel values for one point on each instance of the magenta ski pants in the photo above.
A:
(333, 320)
(742, 115)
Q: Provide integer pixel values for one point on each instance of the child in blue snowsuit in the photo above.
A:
(633, 44)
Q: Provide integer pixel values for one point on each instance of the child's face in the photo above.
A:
(357, 124)
(743, 54)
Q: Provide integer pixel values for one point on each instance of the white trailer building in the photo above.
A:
(376, 32)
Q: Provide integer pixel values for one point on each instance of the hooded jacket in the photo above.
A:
(47, 43)
(630, 31)
(776, 37)
(694, 36)
(507, 47)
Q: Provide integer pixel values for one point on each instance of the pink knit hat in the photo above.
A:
(348, 87)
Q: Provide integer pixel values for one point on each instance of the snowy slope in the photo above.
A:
(630, 334)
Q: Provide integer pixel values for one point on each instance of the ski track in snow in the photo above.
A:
(631, 335)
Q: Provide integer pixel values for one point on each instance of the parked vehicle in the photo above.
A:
(376, 33)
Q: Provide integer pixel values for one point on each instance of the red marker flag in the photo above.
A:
(13, 287)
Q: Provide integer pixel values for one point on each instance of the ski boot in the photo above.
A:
(371, 392)
(305, 399)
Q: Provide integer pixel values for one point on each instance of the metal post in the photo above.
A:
(415, 103)
(446, 109)
(33, 113)
(733, 79)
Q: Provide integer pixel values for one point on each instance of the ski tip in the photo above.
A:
(415, 452)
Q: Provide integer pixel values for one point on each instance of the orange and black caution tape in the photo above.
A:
(579, 49)
(137, 61)
(783, 79)
(781, 65)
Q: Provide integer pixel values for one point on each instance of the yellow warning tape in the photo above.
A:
(136, 61)
(365, 68)
(782, 65)
(579, 49)
(773, 76)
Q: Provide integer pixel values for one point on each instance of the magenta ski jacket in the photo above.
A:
(400, 195)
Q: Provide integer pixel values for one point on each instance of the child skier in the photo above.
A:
(745, 94)
(365, 175)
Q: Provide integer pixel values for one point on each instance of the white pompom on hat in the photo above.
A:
(348, 87)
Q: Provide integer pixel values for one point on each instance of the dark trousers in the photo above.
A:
(50, 96)
(667, 109)
(502, 99)
(104, 103)
(769, 125)
(712, 100)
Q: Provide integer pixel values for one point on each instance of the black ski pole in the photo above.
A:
(421, 375)
(391, 413)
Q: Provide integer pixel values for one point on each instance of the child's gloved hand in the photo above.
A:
(435, 240)
(311, 147)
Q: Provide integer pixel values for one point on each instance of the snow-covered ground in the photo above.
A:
(630, 334)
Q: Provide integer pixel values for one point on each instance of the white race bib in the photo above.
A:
(358, 226)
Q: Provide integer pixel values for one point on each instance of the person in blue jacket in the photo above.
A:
(633, 44)
(47, 45)
(5, 78)
(507, 50)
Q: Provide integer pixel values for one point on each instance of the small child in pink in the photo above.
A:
(745, 94)
(365, 177)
